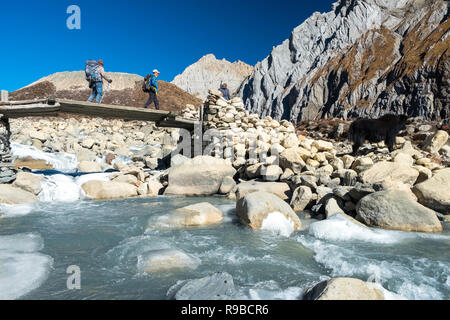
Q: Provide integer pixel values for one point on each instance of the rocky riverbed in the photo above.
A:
(278, 177)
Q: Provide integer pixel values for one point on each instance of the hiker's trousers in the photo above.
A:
(153, 98)
(97, 92)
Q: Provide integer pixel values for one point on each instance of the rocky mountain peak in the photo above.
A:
(363, 58)
(209, 72)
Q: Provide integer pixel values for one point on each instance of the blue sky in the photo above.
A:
(137, 36)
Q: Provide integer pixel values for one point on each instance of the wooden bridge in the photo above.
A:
(53, 107)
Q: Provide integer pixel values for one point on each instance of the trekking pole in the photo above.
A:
(104, 91)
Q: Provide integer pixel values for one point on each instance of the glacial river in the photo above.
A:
(107, 240)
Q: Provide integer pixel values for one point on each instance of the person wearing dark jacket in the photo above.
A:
(153, 93)
(225, 91)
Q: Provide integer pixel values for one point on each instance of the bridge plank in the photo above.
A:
(23, 102)
(28, 110)
(111, 111)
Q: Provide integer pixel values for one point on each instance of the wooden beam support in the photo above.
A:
(177, 123)
(28, 110)
(24, 102)
(51, 107)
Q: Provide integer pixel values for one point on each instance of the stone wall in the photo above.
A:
(241, 136)
(6, 173)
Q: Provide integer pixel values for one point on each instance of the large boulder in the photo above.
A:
(166, 260)
(434, 193)
(424, 174)
(107, 190)
(28, 182)
(396, 210)
(271, 173)
(253, 171)
(280, 189)
(362, 164)
(255, 208)
(39, 135)
(13, 195)
(404, 158)
(90, 167)
(332, 207)
(435, 142)
(393, 171)
(323, 145)
(301, 199)
(291, 141)
(154, 188)
(86, 155)
(142, 188)
(199, 214)
(407, 149)
(178, 160)
(201, 176)
(359, 191)
(219, 286)
(294, 159)
(228, 184)
(344, 289)
(126, 178)
(87, 143)
(32, 164)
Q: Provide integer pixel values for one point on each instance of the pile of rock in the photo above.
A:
(326, 184)
(190, 112)
(431, 137)
(25, 189)
(7, 175)
(403, 190)
(97, 142)
(129, 182)
(238, 135)
(224, 114)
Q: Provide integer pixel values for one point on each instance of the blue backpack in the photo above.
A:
(92, 73)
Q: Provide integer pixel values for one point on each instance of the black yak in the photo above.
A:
(376, 130)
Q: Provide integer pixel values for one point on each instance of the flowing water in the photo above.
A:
(107, 240)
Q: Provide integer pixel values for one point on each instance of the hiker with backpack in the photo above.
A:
(151, 87)
(95, 73)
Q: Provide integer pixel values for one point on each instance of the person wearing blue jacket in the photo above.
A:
(154, 90)
(225, 92)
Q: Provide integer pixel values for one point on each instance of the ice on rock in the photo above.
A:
(23, 268)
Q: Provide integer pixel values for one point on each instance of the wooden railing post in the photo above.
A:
(4, 96)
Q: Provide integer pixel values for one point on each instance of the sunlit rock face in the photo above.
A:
(209, 73)
(363, 58)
